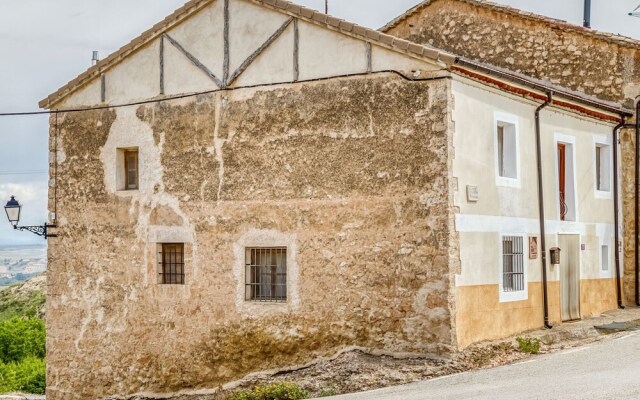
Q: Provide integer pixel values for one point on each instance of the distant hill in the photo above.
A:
(26, 299)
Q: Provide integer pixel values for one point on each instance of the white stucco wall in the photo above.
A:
(323, 53)
(513, 208)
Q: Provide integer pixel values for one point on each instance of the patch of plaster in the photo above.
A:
(129, 131)
(266, 238)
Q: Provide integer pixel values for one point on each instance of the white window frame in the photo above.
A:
(560, 138)
(266, 238)
(603, 141)
(501, 117)
(609, 242)
(520, 295)
(121, 172)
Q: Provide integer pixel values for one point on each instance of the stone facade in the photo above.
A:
(600, 64)
(350, 174)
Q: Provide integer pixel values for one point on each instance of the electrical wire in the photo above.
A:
(195, 94)
(9, 173)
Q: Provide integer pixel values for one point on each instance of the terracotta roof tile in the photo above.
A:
(280, 5)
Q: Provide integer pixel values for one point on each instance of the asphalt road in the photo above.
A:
(609, 369)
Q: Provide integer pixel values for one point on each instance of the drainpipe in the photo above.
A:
(543, 246)
(637, 182)
(616, 208)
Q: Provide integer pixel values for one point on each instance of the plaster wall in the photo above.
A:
(351, 175)
(507, 208)
(322, 53)
(203, 36)
(597, 66)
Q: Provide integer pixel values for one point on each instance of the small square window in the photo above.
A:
(171, 264)
(127, 169)
(604, 250)
(603, 170)
(266, 274)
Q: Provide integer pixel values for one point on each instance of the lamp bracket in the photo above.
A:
(40, 230)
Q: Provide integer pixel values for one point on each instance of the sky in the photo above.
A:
(46, 43)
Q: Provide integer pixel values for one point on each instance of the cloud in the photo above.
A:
(33, 198)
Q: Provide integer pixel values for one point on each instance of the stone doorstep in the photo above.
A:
(21, 397)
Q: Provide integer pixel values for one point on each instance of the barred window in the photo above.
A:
(266, 274)
(172, 264)
(512, 264)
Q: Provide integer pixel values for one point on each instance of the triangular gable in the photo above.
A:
(211, 44)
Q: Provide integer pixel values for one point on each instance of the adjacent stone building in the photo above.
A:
(251, 185)
(601, 64)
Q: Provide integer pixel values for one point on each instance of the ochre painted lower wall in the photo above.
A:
(480, 316)
(597, 296)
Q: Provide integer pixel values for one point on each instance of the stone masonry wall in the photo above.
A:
(545, 50)
(535, 47)
(352, 175)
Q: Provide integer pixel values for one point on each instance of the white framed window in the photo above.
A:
(127, 169)
(602, 162)
(507, 149)
(512, 275)
(566, 182)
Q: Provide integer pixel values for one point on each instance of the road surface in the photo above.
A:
(609, 369)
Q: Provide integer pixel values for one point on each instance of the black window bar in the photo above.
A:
(266, 274)
(172, 264)
(512, 263)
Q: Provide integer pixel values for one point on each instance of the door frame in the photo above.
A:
(579, 273)
(560, 138)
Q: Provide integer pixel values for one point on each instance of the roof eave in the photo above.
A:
(540, 86)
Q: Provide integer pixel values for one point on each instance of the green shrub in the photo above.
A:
(21, 338)
(529, 345)
(274, 391)
(26, 376)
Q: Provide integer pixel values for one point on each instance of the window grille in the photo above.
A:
(266, 274)
(512, 263)
(172, 264)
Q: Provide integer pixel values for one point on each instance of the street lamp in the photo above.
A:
(13, 214)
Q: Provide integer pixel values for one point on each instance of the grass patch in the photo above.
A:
(529, 345)
(274, 391)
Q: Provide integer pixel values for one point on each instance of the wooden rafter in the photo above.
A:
(195, 61)
(246, 63)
